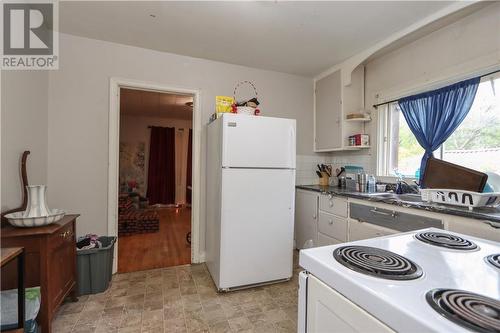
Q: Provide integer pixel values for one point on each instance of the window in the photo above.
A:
(475, 143)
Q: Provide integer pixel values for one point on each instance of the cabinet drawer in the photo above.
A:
(332, 226)
(392, 219)
(363, 230)
(333, 205)
(64, 236)
(324, 240)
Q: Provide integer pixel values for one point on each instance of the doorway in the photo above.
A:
(156, 176)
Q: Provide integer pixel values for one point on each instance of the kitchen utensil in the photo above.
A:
(441, 174)
(342, 182)
(327, 169)
(319, 174)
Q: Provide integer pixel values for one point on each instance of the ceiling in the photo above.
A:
(155, 104)
(303, 38)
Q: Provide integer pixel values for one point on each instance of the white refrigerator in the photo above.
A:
(250, 200)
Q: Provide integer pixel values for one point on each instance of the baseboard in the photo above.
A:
(201, 258)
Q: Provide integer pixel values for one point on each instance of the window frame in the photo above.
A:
(384, 138)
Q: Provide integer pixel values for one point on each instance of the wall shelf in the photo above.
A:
(358, 119)
(356, 147)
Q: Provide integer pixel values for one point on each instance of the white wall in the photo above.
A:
(24, 127)
(469, 45)
(79, 103)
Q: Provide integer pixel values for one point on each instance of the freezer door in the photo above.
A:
(256, 226)
(258, 142)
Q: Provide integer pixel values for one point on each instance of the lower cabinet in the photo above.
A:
(50, 263)
(322, 219)
(363, 230)
(332, 226)
(324, 240)
(306, 218)
(478, 228)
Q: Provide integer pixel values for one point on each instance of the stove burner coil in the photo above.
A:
(494, 259)
(472, 311)
(377, 262)
(446, 240)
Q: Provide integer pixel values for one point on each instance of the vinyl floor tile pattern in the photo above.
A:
(181, 299)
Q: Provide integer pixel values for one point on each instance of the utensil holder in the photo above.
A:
(325, 179)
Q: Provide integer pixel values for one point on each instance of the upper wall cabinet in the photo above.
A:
(333, 101)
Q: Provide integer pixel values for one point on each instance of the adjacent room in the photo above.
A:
(155, 167)
(250, 166)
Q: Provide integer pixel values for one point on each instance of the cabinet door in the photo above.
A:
(61, 264)
(333, 226)
(472, 227)
(306, 217)
(328, 112)
(333, 205)
(364, 230)
(324, 240)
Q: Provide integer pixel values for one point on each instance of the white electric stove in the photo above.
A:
(423, 281)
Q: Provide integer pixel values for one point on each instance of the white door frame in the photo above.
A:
(115, 84)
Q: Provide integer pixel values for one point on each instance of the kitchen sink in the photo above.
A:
(407, 197)
(383, 195)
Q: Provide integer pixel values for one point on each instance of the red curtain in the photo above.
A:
(189, 173)
(161, 170)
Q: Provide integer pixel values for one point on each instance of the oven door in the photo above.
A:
(327, 309)
(302, 317)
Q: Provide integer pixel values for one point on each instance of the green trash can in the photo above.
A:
(95, 267)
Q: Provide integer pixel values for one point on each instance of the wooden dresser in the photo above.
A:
(50, 261)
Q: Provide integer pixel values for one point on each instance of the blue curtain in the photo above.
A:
(433, 116)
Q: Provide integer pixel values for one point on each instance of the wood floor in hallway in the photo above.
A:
(165, 248)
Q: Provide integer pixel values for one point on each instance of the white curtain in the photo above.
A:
(181, 151)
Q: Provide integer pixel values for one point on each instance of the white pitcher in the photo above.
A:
(37, 204)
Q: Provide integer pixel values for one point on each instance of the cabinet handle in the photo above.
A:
(492, 224)
(65, 234)
(314, 216)
(330, 221)
(375, 211)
